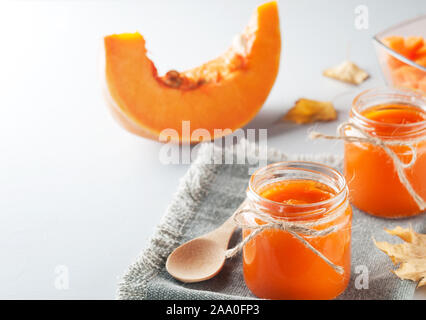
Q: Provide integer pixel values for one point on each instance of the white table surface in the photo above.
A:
(79, 191)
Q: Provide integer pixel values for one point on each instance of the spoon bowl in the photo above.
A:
(201, 258)
(197, 260)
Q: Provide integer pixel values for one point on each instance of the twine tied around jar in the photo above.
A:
(295, 229)
(365, 137)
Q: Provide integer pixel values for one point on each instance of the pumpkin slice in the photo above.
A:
(225, 93)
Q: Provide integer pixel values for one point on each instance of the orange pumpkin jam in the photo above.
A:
(374, 185)
(279, 266)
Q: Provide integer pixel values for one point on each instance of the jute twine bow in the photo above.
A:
(295, 229)
(365, 137)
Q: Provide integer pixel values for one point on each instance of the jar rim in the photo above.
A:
(306, 166)
(397, 93)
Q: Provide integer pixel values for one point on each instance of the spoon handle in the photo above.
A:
(224, 233)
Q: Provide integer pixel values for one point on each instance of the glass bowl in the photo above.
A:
(403, 61)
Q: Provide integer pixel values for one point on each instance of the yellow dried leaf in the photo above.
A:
(410, 255)
(348, 72)
(308, 111)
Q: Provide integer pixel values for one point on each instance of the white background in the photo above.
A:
(75, 188)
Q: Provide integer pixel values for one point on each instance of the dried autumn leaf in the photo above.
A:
(348, 72)
(410, 255)
(308, 111)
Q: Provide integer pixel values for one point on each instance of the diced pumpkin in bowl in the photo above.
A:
(402, 73)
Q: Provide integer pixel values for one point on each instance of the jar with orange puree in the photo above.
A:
(387, 176)
(297, 232)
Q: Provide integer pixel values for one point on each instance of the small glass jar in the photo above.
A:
(278, 265)
(374, 185)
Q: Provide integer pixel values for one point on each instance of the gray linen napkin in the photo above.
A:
(208, 194)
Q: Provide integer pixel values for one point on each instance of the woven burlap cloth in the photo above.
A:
(209, 193)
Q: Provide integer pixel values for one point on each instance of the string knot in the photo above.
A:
(296, 229)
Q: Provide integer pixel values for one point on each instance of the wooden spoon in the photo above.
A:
(201, 258)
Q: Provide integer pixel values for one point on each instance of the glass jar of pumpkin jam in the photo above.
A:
(276, 264)
(374, 185)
